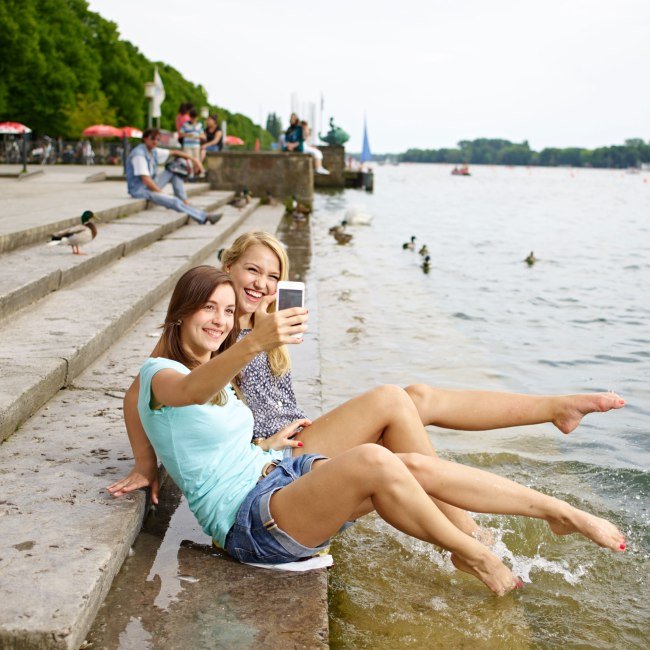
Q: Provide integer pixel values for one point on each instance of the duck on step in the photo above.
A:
(76, 236)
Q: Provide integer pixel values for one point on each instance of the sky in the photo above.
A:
(424, 73)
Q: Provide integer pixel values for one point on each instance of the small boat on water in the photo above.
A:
(461, 171)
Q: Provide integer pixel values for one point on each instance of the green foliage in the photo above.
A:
(274, 125)
(485, 151)
(88, 111)
(61, 64)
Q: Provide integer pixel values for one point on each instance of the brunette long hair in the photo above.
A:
(190, 294)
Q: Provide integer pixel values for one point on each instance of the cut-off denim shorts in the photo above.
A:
(255, 537)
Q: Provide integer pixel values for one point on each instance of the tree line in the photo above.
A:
(493, 151)
(64, 67)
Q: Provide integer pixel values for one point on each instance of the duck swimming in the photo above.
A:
(409, 245)
(76, 236)
(426, 264)
(342, 238)
(424, 251)
(338, 228)
(531, 259)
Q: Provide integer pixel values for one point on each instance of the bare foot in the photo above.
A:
(489, 569)
(574, 407)
(598, 530)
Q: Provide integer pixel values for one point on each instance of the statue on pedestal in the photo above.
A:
(335, 136)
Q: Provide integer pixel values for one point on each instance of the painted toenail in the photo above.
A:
(622, 547)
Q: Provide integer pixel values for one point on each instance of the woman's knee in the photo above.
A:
(376, 463)
(418, 464)
(390, 397)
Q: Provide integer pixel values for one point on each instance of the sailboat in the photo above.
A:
(367, 177)
(366, 154)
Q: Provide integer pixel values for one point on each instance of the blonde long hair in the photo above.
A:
(279, 358)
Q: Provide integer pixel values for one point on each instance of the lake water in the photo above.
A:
(576, 321)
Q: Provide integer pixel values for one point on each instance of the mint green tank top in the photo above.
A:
(206, 449)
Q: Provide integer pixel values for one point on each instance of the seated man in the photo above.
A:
(143, 181)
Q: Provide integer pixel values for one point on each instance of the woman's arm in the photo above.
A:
(145, 471)
(172, 388)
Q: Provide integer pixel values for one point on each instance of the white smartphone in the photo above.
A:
(291, 294)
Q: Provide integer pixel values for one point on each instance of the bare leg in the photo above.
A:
(474, 410)
(306, 511)
(383, 415)
(480, 491)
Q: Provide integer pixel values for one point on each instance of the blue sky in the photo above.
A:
(426, 73)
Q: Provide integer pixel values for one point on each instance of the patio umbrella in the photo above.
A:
(233, 140)
(13, 128)
(131, 132)
(102, 131)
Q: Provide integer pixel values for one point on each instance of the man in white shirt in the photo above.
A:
(144, 182)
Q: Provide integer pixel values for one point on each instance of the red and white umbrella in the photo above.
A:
(13, 128)
(131, 132)
(232, 140)
(102, 131)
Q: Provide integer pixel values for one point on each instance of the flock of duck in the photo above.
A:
(423, 252)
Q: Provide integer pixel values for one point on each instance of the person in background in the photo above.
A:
(192, 132)
(143, 181)
(293, 136)
(315, 152)
(182, 117)
(213, 136)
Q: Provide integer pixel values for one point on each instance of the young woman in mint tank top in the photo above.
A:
(256, 261)
(264, 509)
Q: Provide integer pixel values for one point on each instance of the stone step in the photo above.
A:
(43, 347)
(62, 536)
(27, 274)
(33, 219)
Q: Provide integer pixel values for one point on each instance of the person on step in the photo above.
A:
(255, 262)
(263, 506)
(144, 182)
(314, 152)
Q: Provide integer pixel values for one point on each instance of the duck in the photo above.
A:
(294, 207)
(338, 228)
(426, 264)
(409, 245)
(357, 216)
(424, 251)
(268, 199)
(241, 199)
(531, 259)
(76, 236)
(343, 238)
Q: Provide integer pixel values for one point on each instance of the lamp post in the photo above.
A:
(149, 93)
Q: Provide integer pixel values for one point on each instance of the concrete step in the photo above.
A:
(27, 274)
(62, 537)
(34, 219)
(43, 347)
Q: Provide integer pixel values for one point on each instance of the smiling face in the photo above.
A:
(255, 275)
(204, 331)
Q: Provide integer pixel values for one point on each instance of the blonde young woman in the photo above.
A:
(261, 507)
(256, 262)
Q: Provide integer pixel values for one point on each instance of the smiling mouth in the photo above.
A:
(254, 295)
(213, 334)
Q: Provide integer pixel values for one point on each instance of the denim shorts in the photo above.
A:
(255, 537)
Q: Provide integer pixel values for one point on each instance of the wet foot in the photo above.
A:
(489, 569)
(575, 407)
(598, 530)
